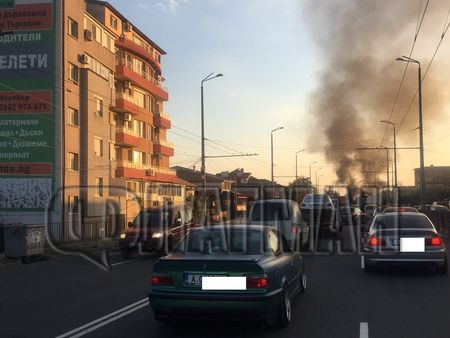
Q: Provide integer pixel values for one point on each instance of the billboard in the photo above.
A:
(28, 121)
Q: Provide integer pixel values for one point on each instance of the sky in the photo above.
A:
(277, 58)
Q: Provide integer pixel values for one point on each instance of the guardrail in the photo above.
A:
(440, 219)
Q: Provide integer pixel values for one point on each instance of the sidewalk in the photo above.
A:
(87, 246)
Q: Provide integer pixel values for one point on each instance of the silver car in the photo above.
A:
(403, 238)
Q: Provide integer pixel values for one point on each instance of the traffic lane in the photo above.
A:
(407, 302)
(329, 308)
(53, 296)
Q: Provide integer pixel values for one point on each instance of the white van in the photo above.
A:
(283, 214)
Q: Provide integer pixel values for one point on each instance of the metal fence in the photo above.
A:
(87, 230)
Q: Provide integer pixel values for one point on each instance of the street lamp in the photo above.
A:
(387, 167)
(271, 149)
(422, 160)
(310, 177)
(316, 179)
(296, 165)
(395, 151)
(203, 168)
(318, 185)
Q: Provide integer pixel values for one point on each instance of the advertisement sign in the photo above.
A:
(27, 104)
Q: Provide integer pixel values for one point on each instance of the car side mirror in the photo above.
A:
(130, 224)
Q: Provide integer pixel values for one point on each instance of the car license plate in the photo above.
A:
(412, 244)
(192, 279)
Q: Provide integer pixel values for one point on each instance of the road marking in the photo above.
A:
(362, 262)
(123, 262)
(102, 321)
(363, 330)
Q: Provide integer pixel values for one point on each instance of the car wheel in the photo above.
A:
(303, 279)
(126, 253)
(285, 309)
(443, 269)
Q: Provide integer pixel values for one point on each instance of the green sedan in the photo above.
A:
(236, 272)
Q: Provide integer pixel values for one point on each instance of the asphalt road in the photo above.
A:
(70, 297)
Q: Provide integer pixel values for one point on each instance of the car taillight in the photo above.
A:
(162, 279)
(257, 282)
(375, 241)
(433, 241)
(294, 230)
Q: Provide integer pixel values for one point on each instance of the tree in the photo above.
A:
(301, 182)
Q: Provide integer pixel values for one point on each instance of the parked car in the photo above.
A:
(237, 272)
(319, 210)
(156, 229)
(285, 215)
(404, 238)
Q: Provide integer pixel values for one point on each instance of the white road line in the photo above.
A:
(362, 262)
(363, 330)
(123, 262)
(91, 326)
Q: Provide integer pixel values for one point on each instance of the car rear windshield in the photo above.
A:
(316, 199)
(217, 241)
(402, 222)
(267, 212)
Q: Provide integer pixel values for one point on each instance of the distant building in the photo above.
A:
(437, 178)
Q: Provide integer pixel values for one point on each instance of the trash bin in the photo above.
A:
(24, 240)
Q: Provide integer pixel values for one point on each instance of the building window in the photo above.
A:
(130, 155)
(112, 152)
(73, 28)
(98, 146)
(73, 205)
(72, 161)
(99, 107)
(73, 72)
(73, 116)
(99, 186)
(113, 22)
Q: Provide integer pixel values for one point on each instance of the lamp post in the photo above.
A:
(310, 176)
(422, 160)
(271, 149)
(316, 179)
(296, 164)
(395, 151)
(387, 168)
(318, 185)
(203, 168)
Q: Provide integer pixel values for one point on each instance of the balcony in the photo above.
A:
(161, 119)
(141, 49)
(126, 71)
(163, 147)
(128, 104)
(127, 137)
(146, 172)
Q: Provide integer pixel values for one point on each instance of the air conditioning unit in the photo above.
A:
(84, 59)
(88, 35)
(127, 117)
(127, 84)
(149, 172)
(128, 27)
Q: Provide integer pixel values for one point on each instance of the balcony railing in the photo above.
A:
(140, 72)
(127, 131)
(163, 115)
(134, 165)
(163, 143)
(121, 95)
(146, 46)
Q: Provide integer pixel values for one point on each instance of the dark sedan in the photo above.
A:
(404, 238)
(238, 272)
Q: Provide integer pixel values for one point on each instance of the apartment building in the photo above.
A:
(115, 127)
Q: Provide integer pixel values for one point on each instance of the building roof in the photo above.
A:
(195, 176)
(116, 12)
